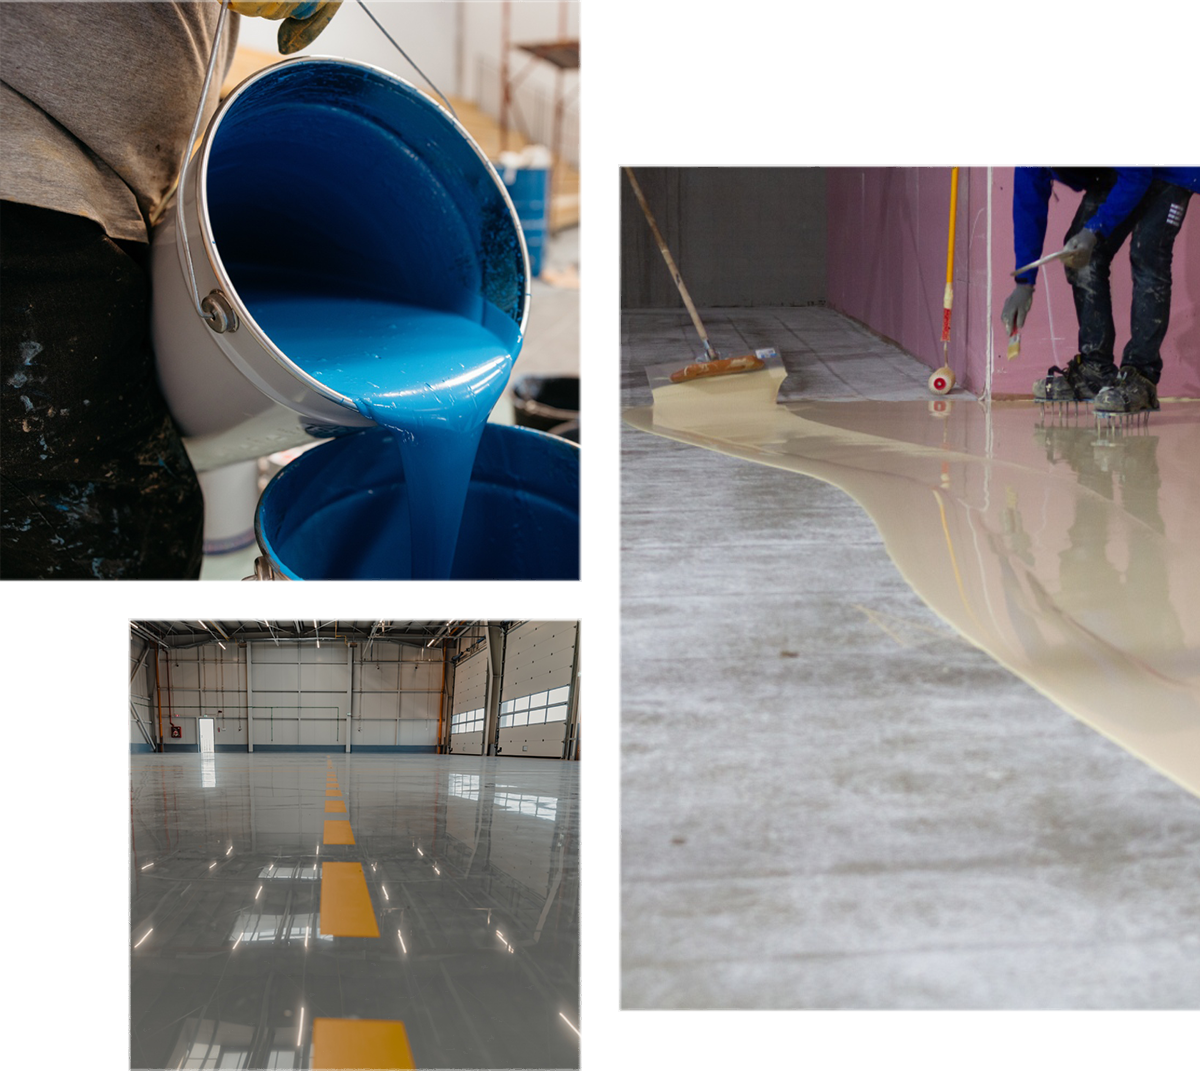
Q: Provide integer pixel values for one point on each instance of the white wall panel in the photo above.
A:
(382, 677)
(470, 682)
(281, 731)
(377, 705)
(324, 676)
(266, 653)
(420, 733)
(418, 705)
(537, 656)
(275, 678)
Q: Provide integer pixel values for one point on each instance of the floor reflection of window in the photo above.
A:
(203, 1054)
(289, 873)
(536, 806)
(465, 786)
(258, 928)
(281, 1058)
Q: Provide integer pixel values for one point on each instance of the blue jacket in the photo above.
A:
(1031, 200)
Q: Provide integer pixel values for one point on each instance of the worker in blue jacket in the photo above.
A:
(1148, 203)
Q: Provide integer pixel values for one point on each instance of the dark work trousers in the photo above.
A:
(94, 480)
(1154, 224)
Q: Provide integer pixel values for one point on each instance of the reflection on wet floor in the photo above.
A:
(467, 868)
(1064, 549)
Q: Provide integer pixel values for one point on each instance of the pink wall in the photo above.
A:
(887, 233)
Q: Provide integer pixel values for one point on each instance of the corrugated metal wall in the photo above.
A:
(290, 695)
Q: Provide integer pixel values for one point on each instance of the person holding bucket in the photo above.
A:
(96, 102)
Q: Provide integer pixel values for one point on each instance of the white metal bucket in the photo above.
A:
(328, 166)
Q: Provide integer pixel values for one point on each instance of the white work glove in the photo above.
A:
(1016, 308)
(303, 21)
(1079, 250)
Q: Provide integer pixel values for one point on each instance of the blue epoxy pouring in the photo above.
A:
(373, 253)
(430, 377)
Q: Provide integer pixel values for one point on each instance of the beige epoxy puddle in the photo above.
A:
(1068, 554)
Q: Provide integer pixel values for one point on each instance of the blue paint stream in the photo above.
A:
(429, 376)
(369, 241)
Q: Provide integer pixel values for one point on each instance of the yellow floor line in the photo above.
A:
(335, 805)
(332, 792)
(338, 831)
(346, 909)
(375, 1043)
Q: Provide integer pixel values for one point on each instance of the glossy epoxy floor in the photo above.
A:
(470, 875)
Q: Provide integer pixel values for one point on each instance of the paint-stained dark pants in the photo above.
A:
(1154, 224)
(94, 478)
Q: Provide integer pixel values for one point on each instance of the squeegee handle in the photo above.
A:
(662, 246)
(1038, 263)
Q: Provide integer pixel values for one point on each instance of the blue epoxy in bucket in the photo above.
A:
(529, 188)
(341, 511)
(374, 246)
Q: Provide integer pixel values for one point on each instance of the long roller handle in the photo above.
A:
(662, 246)
(948, 297)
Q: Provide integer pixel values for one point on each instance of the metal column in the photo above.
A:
(249, 698)
(349, 692)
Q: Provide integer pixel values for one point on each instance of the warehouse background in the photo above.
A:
(870, 242)
(357, 686)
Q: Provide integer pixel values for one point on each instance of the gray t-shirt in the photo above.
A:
(97, 101)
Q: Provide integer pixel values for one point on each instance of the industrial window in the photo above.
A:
(535, 709)
(469, 721)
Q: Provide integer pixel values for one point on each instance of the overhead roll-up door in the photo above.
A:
(467, 711)
(535, 694)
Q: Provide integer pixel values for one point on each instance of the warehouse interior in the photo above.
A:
(867, 810)
(354, 844)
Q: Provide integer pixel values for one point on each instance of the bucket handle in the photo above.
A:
(216, 309)
(214, 315)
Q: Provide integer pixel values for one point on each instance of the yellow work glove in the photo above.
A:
(302, 21)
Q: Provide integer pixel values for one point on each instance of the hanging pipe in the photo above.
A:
(170, 695)
(158, 693)
(442, 701)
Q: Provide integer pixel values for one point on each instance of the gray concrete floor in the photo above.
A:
(829, 799)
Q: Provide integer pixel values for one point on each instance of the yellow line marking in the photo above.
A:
(346, 909)
(332, 792)
(338, 831)
(335, 805)
(375, 1043)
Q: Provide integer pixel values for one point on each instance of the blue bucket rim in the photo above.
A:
(271, 554)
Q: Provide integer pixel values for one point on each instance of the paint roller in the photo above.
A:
(942, 379)
(712, 364)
